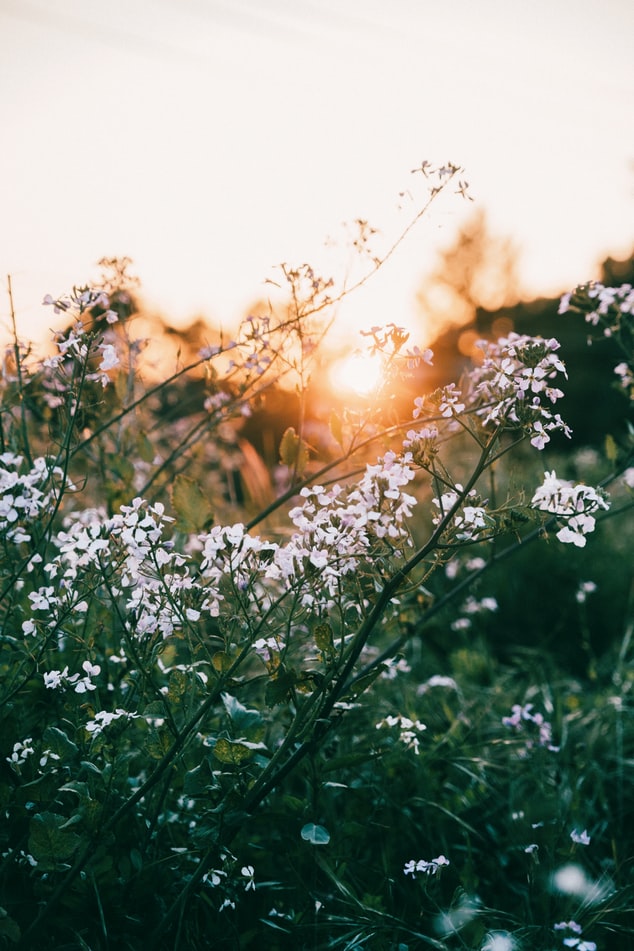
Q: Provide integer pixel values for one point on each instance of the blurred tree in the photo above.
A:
(589, 416)
(477, 271)
(615, 272)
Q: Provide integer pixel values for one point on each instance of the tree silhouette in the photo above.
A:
(477, 271)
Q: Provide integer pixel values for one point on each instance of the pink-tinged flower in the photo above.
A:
(568, 925)
(580, 838)
(110, 357)
(450, 402)
(574, 503)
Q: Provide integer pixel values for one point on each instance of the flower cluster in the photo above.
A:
(471, 519)
(574, 940)
(104, 718)
(61, 678)
(337, 528)
(514, 386)
(423, 867)
(572, 504)
(21, 752)
(423, 442)
(26, 494)
(80, 343)
(600, 304)
(78, 300)
(253, 351)
(409, 730)
(471, 607)
(533, 726)
(610, 309)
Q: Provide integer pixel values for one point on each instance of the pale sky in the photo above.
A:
(209, 140)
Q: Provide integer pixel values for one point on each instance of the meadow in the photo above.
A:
(376, 695)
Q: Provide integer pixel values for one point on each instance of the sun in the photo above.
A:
(358, 373)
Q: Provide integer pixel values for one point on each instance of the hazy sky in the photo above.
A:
(211, 139)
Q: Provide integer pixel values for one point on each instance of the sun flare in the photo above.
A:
(358, 373)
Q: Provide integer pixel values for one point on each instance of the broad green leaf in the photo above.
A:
(158, 743)
(79, 788)
(323, 638)
(363, 683)
(199, 780)
(8, 927)
(193, 509)
(278, 688)
(56, 741)
(177, 685)
(49, 843)
(245, 723)
(221, 661)
(233, 752)
(42, 789)
(316, 835)
(90, 768)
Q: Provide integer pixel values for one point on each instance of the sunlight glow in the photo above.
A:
(359, 373)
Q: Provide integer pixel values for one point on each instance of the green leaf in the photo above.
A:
(248, 724)
(199, 780)
(233, 752)
(42, 789)
(158, 743)
(56, 741)
(611, 448)
(293, 451)
(193, 509)
(221, 661)
(278, 688)
(178, 684)
(316, 835)
(49, 842)
(8, 927)
(324, 639)
(79, 788)
(363, 683)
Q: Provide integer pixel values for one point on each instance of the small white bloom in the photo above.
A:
(54, 678)
(584, 589)
(568, 925)
(499, 941)
(580, 838)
